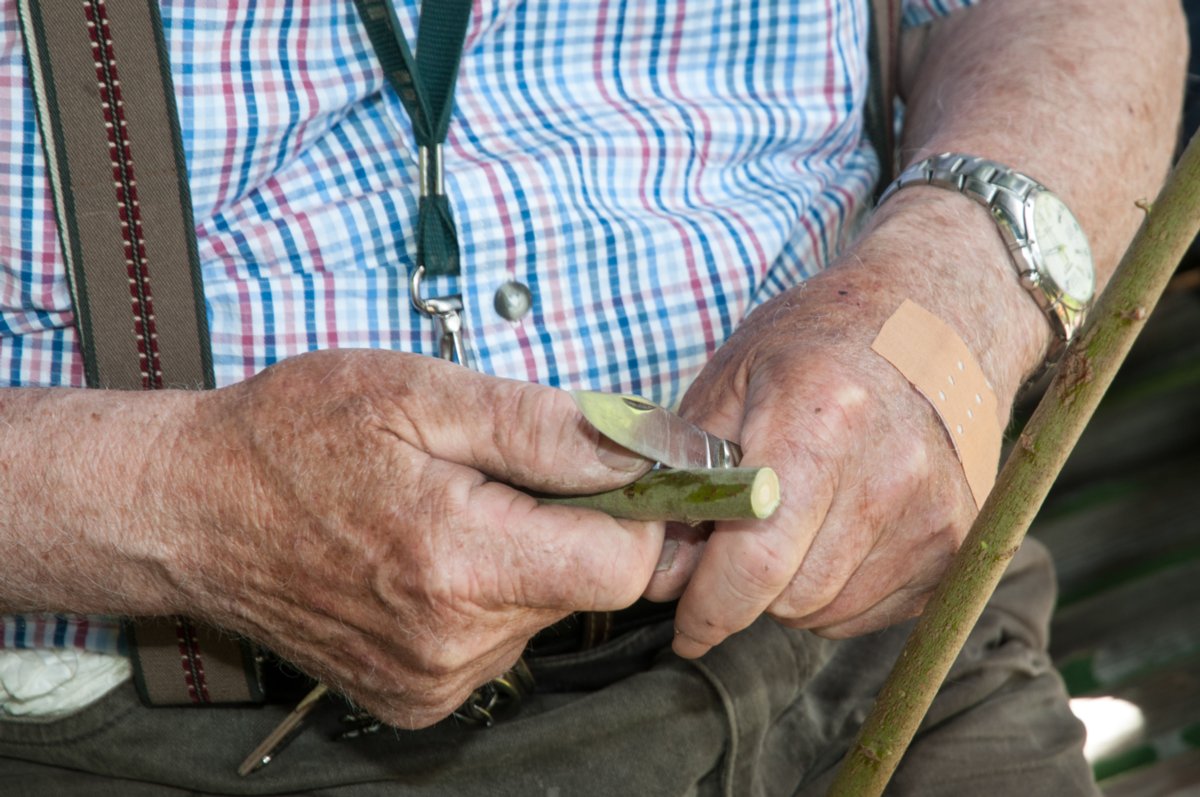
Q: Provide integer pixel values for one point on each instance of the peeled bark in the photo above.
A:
(689, 496)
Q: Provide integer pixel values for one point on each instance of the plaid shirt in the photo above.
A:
(651, 171)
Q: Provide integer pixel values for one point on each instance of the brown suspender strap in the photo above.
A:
(884, 61)
(122, 214)
(179, 663)
(106, 110)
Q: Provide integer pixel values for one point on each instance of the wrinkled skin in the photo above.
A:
(361, 524)
(353, 510)
(875, 498)
(366, 522)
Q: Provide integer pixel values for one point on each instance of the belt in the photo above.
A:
(576, 633)
(567, 653)
(587, 630)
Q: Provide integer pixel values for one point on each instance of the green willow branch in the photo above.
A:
(1170, 225)
(688, 496)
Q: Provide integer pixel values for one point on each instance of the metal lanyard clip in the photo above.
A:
(446, 311)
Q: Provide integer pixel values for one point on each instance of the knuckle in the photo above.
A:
(443, 662)
(810, 591)
(416, 698)
(760, 573)
(389, 690)
(944, 542)
(413, 710)
(751, 581)
(618, 581)
(705, 631)
(626, 592)
(907, 475)
(440, 695)
(435, 568)
(521, 408)
(840, 407)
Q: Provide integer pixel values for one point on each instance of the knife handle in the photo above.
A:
(723, 453)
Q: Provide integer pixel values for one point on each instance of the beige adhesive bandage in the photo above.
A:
(939, 365)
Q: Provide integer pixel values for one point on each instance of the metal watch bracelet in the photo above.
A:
(1009, 197)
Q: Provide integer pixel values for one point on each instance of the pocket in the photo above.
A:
(761, 675)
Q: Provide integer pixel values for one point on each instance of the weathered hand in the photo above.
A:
(875, 501)
(353, 512)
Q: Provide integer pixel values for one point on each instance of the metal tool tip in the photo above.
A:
(253, 764)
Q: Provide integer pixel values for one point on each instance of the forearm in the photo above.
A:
(1083, 94)
(84, 483)
(1084, 97)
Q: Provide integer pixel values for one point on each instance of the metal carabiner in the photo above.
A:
(446, 311)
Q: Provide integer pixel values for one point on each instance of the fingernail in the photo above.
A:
(667, 557)
(615, 457)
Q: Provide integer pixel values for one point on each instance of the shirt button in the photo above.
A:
(513, 301)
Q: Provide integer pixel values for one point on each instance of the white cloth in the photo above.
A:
(50, 683)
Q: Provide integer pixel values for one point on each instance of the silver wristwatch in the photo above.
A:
(1048, 246)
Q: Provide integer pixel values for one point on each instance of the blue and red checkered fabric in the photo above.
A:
(650, 170)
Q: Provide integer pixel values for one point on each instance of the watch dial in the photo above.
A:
(1066, 256)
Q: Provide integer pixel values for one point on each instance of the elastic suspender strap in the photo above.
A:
(180, 663)
(124, 215)
(884, 62)
(106, 111)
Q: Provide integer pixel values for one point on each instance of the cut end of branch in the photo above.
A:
(764, 493)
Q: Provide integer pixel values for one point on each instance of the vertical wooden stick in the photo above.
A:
(1082, 379)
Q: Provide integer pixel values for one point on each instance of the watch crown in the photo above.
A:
(1030, 279)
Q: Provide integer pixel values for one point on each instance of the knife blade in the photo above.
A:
(655, 432)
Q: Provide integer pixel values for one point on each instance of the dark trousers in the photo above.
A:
(769, 712)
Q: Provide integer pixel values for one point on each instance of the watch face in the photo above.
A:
(1066, 256)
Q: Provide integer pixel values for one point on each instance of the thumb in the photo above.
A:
(517, 432)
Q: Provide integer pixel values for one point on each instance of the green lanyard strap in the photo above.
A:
(425, 85)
